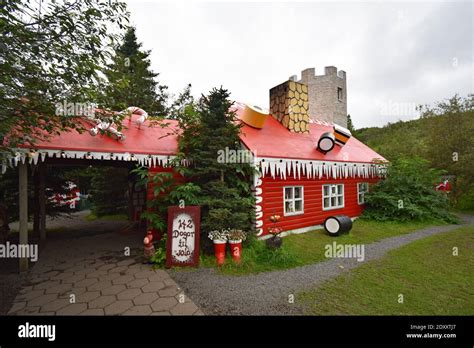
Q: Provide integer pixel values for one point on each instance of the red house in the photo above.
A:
(308, 169)
(300, 182)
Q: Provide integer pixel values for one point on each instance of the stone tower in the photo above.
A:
(327, 95)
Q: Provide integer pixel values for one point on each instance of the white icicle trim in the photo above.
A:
(34, 156)
(317, 169)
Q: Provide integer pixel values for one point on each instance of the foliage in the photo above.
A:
(57, 182)
(159, 258)
(226, 199)
(49, 53)
(179, 104)
(109, 187)
(130, 81)
(155, 215)
(451, 142)
(221, 235)
(350, 126)
(399, 139)
(167, 192)
(187, 193)
(442, 136)
(256, 257)
(407, 193)
(234, 234)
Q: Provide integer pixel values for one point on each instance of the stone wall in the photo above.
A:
(289, 105)
(324, 104)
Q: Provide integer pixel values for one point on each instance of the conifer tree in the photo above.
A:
(226, 196)
(131, 82)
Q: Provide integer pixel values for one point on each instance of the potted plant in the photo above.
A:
(235, 238)
(219, 238)
(275, 241)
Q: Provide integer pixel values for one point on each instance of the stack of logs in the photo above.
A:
(289, 105)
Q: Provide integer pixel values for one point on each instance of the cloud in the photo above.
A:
(393, 53)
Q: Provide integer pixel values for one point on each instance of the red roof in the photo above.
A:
(274, 140)
(144, 140)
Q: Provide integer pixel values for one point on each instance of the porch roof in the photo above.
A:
(147, 139)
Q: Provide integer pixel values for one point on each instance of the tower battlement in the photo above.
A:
(327, 94)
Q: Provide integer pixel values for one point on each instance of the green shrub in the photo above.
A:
(408, 193)
(466, 200)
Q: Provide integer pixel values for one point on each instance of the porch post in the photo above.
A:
(23, 205)
(42, 201)
(36, 215)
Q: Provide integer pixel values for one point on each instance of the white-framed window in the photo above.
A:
(362, 188)
(293, 200)
(333, 196)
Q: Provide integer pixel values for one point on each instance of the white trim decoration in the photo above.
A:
(284, 167)
(258, 192)
(34, 156)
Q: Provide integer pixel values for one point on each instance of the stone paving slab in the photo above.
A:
(91, 276)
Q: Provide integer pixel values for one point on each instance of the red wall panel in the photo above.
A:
(313, 209)
(178, 178)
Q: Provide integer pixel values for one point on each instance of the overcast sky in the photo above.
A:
(396, 55)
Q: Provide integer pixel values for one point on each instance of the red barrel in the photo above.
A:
(219, 251)
(236, 250)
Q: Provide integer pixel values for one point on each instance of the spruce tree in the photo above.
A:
(226, 198)
(131, 82)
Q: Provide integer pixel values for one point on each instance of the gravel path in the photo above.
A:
(269, 293)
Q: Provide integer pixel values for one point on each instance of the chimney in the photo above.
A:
(289, 105)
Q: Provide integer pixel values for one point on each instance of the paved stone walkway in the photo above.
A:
(82, 276)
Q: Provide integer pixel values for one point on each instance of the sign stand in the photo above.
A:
(182, 245)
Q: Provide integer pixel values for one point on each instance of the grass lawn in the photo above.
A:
(431, 279)
(112, 217)
(307, 248)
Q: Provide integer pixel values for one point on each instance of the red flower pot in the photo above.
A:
(236, 250)
(219, 251)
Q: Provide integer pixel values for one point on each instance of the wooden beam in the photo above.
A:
(75, 162)
(36, 215)
(42, 201)
(23, 210)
